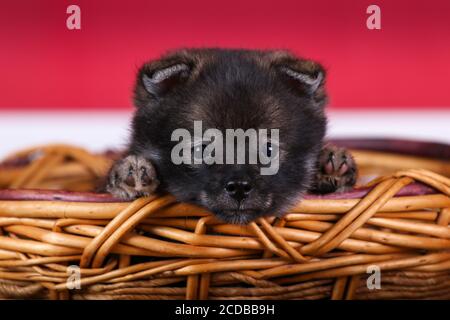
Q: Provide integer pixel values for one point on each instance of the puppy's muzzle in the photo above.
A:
(238, 189)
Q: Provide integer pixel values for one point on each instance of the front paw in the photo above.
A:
(132, 177)
(336, 171)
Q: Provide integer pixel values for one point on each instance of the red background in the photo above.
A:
(43, 65)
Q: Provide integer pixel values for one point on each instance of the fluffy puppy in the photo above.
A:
(232, 89)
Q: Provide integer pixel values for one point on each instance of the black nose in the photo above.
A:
(239, 190)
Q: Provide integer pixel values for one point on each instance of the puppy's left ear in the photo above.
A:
(305, 76)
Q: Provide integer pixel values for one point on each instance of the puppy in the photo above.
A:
(231, 89)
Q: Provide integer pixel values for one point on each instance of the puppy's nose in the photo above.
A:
(238, 190)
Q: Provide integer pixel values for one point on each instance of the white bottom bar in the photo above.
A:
(97, 131)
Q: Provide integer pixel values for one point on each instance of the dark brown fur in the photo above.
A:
(231, 89)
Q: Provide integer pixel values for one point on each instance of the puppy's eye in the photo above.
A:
(199, 148)
(198, 151)
(269, 149)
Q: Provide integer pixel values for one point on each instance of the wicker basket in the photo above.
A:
(155, 248)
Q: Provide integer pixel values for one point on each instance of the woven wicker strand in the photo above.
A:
(156, 248)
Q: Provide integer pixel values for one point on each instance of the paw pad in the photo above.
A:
(132, 177)
(336, 170)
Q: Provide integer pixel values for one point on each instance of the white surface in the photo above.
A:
(100, 130)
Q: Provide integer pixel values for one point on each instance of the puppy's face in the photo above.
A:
(231, 89)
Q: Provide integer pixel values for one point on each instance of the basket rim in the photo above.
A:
(427, 149)
(432, 150)
(414, 189)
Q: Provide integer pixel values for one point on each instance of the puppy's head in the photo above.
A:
(191, 101)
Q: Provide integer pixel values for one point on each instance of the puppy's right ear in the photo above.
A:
(158, 82)
(158, 78)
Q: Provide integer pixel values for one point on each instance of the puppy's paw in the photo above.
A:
(132, 177)
(336, 171)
